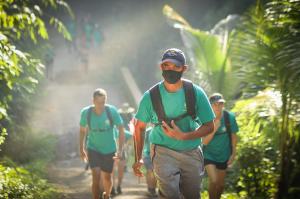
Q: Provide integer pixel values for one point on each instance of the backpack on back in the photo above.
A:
(190, 100)
(108, 113)
(228, 127)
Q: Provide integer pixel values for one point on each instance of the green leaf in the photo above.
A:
(3, 113)
(209, 52)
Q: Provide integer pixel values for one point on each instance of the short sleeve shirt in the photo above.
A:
(218, 149)
(100, 134)
(174, 105)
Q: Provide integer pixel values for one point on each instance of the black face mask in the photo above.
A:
(171, 76)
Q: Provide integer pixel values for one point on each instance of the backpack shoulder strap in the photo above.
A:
(108, 113)
(190, 98)
(228, 127)
(88, 117)
(157, 102)
(227, 121)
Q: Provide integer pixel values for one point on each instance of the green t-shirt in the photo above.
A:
(146, 148)
(174, 106)
(218, 149)
(102, 141)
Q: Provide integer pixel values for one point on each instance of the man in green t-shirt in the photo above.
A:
(97, 124)
(219, 147)
(178, 163)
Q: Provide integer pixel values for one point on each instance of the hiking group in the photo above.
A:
(178, 133)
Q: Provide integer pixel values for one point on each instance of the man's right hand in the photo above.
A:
(137, 168)
(83, 155)
(217, 125)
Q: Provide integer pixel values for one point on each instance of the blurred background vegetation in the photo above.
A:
(248, 50)
(254, 61)
(24, 29)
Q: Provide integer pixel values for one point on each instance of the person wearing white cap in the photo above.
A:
(219, 147)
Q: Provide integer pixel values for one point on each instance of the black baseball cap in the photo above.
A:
(175, 56)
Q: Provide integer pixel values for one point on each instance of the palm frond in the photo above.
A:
(208, 51)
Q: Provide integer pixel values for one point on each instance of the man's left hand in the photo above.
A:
(118, 155)
(174, 131)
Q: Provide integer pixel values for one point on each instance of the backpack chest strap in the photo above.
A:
(158, 107)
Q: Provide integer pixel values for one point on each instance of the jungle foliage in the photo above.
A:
(24, 24)
(260, 52)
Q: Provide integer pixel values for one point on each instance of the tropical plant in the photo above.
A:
(17, 182)
(258, 147)
(21, 21)
(209, 52)
(266, 53)
(23, 25)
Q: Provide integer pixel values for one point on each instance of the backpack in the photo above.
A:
(108, 113)
(189, 99)
(228, 127)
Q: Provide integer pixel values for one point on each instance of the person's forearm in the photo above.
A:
(208, 138)
(233, 142)
(81, 139)
(138, 142)
(202, 131)
(121, 138)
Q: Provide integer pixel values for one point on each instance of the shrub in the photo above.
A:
(19, 183)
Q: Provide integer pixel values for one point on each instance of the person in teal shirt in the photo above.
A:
(97, 123)
(150, 178)
(219, 147)
(177, 161)
(71, 26)
(126, 113)
(120, 164)
(97, 36)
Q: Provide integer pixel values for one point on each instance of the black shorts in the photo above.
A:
(104, 161)
(219, 165)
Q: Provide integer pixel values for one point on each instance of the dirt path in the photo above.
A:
(75, 182)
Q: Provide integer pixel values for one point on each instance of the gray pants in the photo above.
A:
(178, 174)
